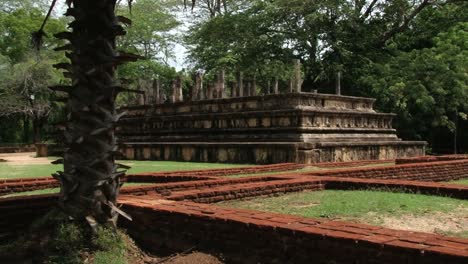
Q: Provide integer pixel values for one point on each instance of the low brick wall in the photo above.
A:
(251, 189)
(429, 171)
(428, 188)
(18, 213)
(17, 148)
(424, 159)
(243, 236)
(207, 173)
(351, 163)
(25, 185)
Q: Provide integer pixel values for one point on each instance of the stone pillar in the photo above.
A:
(209, 91)
(197, 92)
(233, 88)
(338, 83)
(254, 86)
(248, 88)
(141, 94)
(276, 86)
(180, 95)
(157, 91)
(268, 87)
(297, 76)
(173, 97)
(240, 85)
(220, 85)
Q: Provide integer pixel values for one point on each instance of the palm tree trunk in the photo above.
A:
(91, 179)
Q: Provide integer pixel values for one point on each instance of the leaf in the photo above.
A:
(122, 213)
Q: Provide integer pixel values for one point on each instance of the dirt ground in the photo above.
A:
(436, 222)
(192, 258)
(136, 256)
(23, 158)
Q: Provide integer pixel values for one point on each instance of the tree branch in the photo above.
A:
(399, 28)
(369, 9)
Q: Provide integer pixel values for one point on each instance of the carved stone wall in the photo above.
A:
(296, 127)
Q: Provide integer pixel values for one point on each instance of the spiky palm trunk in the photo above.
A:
(91, 179)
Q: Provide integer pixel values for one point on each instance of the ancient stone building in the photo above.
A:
(293, 127)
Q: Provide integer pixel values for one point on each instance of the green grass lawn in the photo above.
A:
(394, 210)
(38, 170)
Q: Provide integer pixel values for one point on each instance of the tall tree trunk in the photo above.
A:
(91, 179)
(25, 129)
(36, 126)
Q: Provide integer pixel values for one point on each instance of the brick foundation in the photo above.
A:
(243, 236)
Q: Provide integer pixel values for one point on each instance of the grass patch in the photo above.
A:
(55, 239)
(332, 203)
(10, 171)
(395, 210)
(462, 182)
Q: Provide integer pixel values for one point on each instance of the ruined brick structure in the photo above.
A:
(275, 128)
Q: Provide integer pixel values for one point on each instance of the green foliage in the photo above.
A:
(24, 72)
(111, 247)
(427, 88)
(16, 28)
(55, 239)
(150, 35)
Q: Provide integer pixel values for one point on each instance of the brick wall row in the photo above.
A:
(350, 163)
(424, 159)
(18, 213)
(10, 186)
(225, 172)
(243, 236)
(428, 171)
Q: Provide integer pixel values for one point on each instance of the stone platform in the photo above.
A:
(294, 127)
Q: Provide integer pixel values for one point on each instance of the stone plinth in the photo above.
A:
(295, 127)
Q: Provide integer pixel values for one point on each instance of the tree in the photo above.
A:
(327, 36)
(24, 91)
(16, 27)
(91, 179)
(26, 67)
(427, 88)
(152, 37)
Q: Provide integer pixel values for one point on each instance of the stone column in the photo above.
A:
(222, 84)
(157, 91)
(276, 86)
(338, 83)
(141, 94)
(297, 76)
(248, 88)
(240, 84)
(254, 86)
(233, 88)
(173, 98)
(209, 91)
(180, 96)
(197, 90)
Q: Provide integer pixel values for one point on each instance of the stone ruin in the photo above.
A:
(260, 129)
